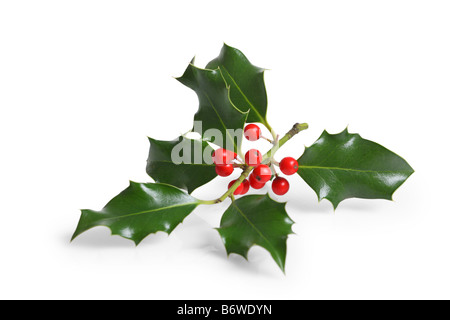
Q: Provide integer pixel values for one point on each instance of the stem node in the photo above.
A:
(269, 155)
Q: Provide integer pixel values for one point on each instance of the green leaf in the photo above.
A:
(139, 210)
(246, 81)
(344, 165)
(216, 111)
(190, 172)
(256, 220)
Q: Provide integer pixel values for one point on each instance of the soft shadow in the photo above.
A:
(303, 206)
(362, 205)
(306, 206)
(250, 267)
(98, 238)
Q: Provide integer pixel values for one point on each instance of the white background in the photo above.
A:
(83, 83)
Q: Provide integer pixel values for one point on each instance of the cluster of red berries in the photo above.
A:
(261, 173)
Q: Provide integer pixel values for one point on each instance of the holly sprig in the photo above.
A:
(232, 98)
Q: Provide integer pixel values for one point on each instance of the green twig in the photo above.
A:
(295, 129)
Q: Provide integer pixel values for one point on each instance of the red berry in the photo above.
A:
(262, 173)
(224, 170)
(255, 184)
(288, 165)
(238, 189)
(280, 186)
(223, 156)
(252, 132)
(253, 157)
(246, 186)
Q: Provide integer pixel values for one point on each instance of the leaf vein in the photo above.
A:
(150, 211)
(220, 119)
(350, 169)
(254, 227)
(245, 97)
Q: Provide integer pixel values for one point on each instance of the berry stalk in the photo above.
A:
(266, 124)
(269, 155)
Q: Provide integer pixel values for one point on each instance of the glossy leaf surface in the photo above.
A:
(139, 210)
(189, 171)
(344, 165)
(246, 81)
(216, 111)
(256, 220)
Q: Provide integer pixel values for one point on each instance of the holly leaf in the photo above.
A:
(344, 165)
(256, 220)
(217, 119)
(246, 81)
(184, 163)
(139, 210)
